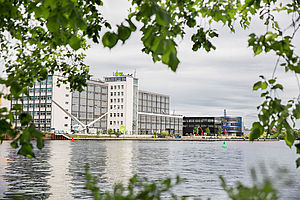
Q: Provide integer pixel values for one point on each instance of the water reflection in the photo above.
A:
(27, 176)
(60, 179)
(86, 152)
(3, 164)
(58, 172)
(118, 162)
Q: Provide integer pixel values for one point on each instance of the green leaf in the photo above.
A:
(298, 148)
(53, 24)
(123, 33)
(289, 138)
(257, 85)
(26, 150)
(25, 118)
(257, 131)
(170, 58)
(109, 39)
(162, 17)
(277, 86)
(75, 42)
(298, 162)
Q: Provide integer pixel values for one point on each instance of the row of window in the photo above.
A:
(117, 87)
(116, 114)
(36, 113)
(115, 79)
(119, 100)
(42, 121)
(37, 98)
(38, 90)
(116, 106)
(116, 122)
(153, 97)
(42, 105)
(44, 82)
(117, 94)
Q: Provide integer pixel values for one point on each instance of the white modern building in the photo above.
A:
(129, 110)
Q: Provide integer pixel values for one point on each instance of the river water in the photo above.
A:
(58, 170)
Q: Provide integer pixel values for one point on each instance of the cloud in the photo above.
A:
(205, 83)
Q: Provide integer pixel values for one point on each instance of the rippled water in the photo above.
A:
(57, 172)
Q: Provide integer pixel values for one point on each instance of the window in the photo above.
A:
(118, 93)
(111, 87)
(111, 107)
(67, 88)
(122, 100)
(122, 93)
(110, 114)
(122, 86)
(114, 122)
(121, 122)
(49, 89)
(66, 117)
(115, 100)
(66, 102)
(115, 94)
(121, 114)
(114, 114)
(111, 94)
(118, 100)
(118, 86)
(115, 87)
(66, 125)
(67, 95)
(111, 100)
(121, 106)
(110, 122)
(118, 114)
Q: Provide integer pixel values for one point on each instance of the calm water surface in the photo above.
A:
(57, 172)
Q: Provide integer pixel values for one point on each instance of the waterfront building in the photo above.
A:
(39, 105)
(136, 112)
(233, 125)
(122, 102)
(90, 104)
(154, 114)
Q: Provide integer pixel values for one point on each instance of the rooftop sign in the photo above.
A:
(118, 73)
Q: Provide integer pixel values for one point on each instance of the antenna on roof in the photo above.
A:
(224, 112)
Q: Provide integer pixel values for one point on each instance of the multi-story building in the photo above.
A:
(154, 114)
(39, 105)
(122, 102)
(232, 125)
(90, 104)
(139, 112)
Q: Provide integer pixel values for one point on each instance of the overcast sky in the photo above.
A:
(205, 83)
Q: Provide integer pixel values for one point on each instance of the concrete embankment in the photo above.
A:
(147, 138)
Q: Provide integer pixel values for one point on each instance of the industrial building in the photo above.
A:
(232, 125)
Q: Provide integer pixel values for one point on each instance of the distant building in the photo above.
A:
(233, 125)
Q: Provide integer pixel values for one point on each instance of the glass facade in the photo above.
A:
(90, 104)
(148, 124)
(38, 104)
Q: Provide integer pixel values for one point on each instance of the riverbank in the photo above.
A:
(147, 138)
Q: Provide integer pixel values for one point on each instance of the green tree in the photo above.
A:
(117, 133)
(207, 131)
(220, 130)
(39, 38)
(164, 133)
(110, 132)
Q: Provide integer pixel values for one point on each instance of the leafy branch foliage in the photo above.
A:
(144, 189)
(40, 38)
